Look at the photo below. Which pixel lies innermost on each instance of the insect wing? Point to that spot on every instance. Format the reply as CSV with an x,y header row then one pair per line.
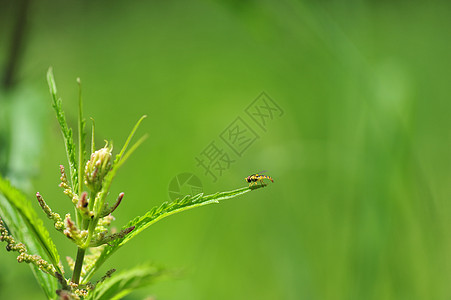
x,y
260,172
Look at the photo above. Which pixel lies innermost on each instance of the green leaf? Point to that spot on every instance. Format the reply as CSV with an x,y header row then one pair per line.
x,y
18,227
118,162
66,131
81,149
19,202
123,283
159,212
81,139
130,136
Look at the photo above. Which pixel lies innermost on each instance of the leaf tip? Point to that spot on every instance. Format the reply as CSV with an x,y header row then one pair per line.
x,y
51,81
50,71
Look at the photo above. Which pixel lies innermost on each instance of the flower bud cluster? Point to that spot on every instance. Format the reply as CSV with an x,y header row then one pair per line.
x,y
77,291
58,222
12,245
38,261
103,238
66,186
73,232
82,206
97,167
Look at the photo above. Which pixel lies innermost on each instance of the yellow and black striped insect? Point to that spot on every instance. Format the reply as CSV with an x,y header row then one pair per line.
x,y
255,178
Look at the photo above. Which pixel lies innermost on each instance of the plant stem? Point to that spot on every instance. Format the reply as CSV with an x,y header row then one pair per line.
x,y
17,46
78,265
91,228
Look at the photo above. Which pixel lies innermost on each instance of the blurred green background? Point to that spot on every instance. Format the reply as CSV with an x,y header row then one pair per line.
x,y
361,156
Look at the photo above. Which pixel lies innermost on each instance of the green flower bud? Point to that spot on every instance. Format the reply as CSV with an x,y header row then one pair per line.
x,y
97,167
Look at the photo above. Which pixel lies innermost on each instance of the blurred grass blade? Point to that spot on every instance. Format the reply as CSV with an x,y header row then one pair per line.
x,y
159,212
19,202
66,131
123,283
18,227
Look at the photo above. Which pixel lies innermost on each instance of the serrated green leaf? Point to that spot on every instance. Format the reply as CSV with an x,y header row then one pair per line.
x,y
19,229
157,213
123,283
65,130
20,203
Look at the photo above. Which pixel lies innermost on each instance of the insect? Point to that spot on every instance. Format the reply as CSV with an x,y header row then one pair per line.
x,y
255,178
